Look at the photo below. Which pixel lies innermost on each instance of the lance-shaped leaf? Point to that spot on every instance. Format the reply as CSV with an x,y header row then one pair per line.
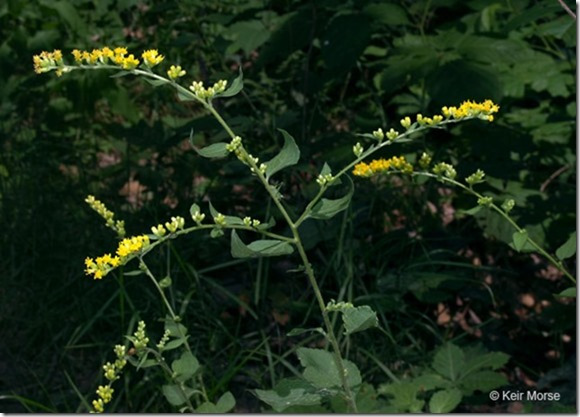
x,y
326,208
288,156
568,249
216,150
234,88
259,248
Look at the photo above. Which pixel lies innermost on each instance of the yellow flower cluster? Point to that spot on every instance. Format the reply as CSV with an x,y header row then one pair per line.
x,y
117,225
128,247
47,61
470,108
152,57
381,165
111,372
118,56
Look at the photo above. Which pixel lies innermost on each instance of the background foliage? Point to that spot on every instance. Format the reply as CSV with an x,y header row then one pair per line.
x,y
322,71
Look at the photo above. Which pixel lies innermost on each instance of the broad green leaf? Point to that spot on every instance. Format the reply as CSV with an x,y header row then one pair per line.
x,y
296,396
175,395
246,35
568,249
568,292
321,370
225,404
288,156
493,360
259,248
216,150
404,396
428,382
445,401
235,87
185,367
449,361
519,239
326,208
483,381
387,13
358,319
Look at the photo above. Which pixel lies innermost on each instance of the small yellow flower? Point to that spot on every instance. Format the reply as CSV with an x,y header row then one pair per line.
x,y
130,62
151,57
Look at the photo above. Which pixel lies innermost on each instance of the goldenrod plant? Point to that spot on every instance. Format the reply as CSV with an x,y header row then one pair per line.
x,y
327,375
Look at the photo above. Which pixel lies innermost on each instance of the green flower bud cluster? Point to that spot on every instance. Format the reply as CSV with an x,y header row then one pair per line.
x,y
248,221
220,220
111,373
117,225
235,144
357,149
475,178
425,160
406,122
508,205
444,169
140,339
324,179
207,93
484,201
175,224
164,339
198,217
392,134
334,306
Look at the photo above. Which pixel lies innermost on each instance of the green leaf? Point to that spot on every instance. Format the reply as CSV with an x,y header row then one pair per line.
x,y
226,403
175,329
288,156
404,396
321,370
174,344
429,381
216,232
519,239
568,249
445,401
184,97
296,396
326,208
185,367
387,13
154,82
259,248
449,361
493,360
298,331
472,210
358,319
120,74
134,273
483,381
230,220
174,394
216,150
235,87
568,292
